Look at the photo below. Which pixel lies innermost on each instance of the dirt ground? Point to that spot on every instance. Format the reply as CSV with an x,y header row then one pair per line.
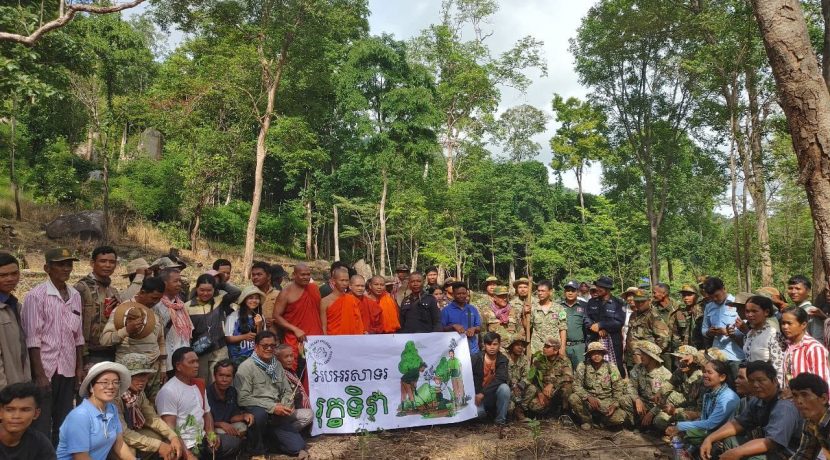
x,y
556,440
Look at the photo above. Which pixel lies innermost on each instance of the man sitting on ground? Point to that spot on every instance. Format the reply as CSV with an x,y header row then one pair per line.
x,y
144,431
810,398
550,381
490,378
301,400
598,390
228,417
778,419
264,391
19,407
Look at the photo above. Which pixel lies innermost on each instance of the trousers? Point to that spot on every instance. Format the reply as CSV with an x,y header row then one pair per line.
x,y
272,427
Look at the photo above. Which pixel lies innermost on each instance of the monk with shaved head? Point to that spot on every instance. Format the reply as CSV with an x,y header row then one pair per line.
x,y
297,310
369,308
340,311
390,322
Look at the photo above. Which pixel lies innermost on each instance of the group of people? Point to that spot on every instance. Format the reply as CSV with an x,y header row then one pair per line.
x,y
159,369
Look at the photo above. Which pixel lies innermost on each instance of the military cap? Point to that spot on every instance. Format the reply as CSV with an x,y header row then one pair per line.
x,y
521,280
402,268
596,346
135,265
629,291
448,281
714,354
59,255
136,363
516,338
688,288
741,298
573,284
489,280
553,342
641,295
165,262
501,290
650,349
768,292
685,350
604,282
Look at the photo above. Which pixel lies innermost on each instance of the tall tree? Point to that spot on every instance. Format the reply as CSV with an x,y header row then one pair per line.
x,y
467,76
579,140
806,103
641,82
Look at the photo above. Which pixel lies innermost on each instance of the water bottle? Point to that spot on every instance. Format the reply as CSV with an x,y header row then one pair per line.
x,y
678,449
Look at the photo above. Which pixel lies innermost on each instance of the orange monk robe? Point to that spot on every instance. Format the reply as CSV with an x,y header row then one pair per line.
x,y
390,321
343,316
370,311
304,314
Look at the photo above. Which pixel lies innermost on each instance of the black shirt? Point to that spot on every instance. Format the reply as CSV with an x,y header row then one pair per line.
x,y
420,313
223,409
34,445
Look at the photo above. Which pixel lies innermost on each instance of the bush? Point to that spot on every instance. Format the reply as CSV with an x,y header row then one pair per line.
x,y
278,232
152,189
59,177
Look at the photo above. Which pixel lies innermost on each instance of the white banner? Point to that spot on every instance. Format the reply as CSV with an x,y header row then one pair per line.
x,y
373,382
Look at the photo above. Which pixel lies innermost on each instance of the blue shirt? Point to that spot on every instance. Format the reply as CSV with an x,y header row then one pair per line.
x,y
723,315
718,407
466,316
87,429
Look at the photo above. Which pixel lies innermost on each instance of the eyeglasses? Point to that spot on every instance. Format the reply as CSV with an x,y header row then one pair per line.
x,y
268,346
114,383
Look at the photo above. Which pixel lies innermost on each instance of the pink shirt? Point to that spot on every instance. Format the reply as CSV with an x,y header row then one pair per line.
x,y
54,326
806,356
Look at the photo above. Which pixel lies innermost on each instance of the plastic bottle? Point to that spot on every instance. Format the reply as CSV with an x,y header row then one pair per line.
x,y
678,449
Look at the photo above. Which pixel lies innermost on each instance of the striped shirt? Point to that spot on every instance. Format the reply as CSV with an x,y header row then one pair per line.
x,y
52,324
806,356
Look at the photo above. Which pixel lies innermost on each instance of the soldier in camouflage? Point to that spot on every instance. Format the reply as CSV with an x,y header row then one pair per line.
x,y
644,324
517,367
524,298
684,321
648,386
664,306
550,381
500,317
485,300
684,402
598,390
547,319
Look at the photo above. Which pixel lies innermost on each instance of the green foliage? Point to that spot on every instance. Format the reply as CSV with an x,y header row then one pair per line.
x,y
277,232
410,359
150,189
58,179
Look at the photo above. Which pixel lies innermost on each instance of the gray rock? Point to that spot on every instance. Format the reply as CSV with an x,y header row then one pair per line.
x,y
151,143
97,176
86,225
363,269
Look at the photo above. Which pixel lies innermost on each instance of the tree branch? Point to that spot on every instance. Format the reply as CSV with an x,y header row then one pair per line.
x,y
64,19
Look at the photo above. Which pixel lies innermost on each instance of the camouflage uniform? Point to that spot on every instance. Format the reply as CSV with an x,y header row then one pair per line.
x,y
490,323
546,324
517,378
517,306
99,300
649,387
683,323
645,326
603,383
544,372
687,394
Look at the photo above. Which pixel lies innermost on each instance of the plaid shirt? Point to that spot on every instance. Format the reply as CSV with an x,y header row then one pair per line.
x,y
814,438
54,326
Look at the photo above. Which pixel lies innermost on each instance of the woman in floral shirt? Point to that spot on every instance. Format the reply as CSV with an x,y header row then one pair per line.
x,y
763,342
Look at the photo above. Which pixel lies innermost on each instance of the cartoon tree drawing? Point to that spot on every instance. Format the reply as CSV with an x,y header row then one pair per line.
x,y
410,367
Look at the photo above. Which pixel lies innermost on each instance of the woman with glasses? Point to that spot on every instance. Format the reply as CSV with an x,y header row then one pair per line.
x,y
92,429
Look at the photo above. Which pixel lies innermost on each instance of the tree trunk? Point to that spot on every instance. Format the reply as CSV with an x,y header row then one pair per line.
x,y
197,222
736,217
669,269
105,225
806,103
256,199
336,219
309,229
578,171
825,52
511,276
12,174
414,260
382,217
754,175
122,149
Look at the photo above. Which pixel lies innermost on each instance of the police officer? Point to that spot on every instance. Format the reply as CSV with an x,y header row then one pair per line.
x,y
604,320
575,311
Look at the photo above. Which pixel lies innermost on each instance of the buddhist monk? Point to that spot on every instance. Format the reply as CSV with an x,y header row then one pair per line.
x,y
390,322
297,309
340,310
369,308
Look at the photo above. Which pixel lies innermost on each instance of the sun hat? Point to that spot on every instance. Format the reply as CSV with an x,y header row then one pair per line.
x,y
106,366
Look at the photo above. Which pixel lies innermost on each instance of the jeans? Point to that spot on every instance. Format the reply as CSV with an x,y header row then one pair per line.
x,y
272,427
229,446
497,401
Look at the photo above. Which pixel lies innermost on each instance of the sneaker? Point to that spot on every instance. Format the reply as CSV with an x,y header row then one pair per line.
x,y
586,426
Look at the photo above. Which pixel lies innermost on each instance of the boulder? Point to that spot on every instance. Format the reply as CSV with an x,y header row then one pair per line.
x,y
151,143
86,225
363,269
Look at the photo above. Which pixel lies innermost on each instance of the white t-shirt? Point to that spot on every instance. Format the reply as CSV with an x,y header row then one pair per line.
x,y
184,401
